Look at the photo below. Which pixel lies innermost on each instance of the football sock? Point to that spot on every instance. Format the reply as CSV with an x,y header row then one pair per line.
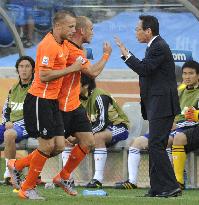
x,y
179,159
77,154
20,164
100,156
7,172
133,164
36,166
65,155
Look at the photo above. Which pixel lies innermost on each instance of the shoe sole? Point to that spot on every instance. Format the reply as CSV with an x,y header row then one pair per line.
x,y
127,187
173,195
23,196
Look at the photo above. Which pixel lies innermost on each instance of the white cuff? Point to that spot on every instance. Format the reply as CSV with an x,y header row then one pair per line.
x,y
128,56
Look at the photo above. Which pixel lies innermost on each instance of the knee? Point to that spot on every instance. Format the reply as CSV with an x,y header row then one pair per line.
x,y
47,148
180,139
10,135
89,143
59,149
140,143
98,140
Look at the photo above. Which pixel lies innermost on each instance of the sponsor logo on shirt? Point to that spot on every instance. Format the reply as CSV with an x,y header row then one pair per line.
x,y
15,106
45,60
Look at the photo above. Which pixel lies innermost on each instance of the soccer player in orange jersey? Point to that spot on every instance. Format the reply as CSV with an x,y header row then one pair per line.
x,y
76,122
42,117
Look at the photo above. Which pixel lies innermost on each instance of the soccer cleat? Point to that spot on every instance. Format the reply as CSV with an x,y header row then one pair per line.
x,y
94,183
72,182
15,175
7,178
66,185
30,194
7,181
125,185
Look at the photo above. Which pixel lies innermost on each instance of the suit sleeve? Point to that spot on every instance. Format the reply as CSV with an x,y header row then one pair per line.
x,y
102,104
149,64
6,110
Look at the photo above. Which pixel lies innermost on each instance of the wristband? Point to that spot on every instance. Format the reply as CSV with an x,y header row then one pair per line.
x,y
105,56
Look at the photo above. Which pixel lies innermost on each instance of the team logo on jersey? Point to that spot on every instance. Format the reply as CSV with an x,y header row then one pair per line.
x,y
45,60
82,59
44,131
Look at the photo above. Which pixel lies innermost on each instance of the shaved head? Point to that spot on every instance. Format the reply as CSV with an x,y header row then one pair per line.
x,y
61,15
82,21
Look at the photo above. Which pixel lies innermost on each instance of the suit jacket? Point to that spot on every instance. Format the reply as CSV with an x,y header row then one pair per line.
x,y
158,87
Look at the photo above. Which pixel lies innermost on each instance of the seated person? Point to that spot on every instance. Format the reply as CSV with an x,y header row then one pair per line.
x,y
188,140
188,96
12,129
22,13
109,124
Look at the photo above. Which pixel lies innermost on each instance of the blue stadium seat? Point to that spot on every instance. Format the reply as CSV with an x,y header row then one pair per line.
x,y
6,38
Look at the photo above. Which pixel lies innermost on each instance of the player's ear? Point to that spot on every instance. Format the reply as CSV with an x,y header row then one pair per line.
x,y
82,31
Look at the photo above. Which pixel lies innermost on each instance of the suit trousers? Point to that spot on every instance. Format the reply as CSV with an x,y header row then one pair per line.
x,y
161,173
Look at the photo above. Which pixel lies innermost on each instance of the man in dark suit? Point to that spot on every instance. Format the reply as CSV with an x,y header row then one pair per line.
x,y
159,101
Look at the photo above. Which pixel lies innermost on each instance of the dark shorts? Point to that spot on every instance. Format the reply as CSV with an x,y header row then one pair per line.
x,y
42,117
192,135
76,121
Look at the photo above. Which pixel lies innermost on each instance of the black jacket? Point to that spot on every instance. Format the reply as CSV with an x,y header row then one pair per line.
x,y
158,87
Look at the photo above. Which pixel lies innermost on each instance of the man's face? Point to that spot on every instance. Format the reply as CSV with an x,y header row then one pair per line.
x,y
88,32
143,36
25,70
190,77
67,28
84,90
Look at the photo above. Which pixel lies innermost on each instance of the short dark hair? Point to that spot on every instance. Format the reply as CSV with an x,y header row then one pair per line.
x,y
28,58
61,15
150,22
86,80
191,64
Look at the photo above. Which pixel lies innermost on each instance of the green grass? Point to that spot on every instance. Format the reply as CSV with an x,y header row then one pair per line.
x,y
116,197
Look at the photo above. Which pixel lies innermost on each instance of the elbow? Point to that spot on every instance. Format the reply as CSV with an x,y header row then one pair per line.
x,y
93,75
90,74
43,79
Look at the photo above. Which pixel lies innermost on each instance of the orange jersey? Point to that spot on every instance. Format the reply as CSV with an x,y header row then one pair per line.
x,y
50,55
70,90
